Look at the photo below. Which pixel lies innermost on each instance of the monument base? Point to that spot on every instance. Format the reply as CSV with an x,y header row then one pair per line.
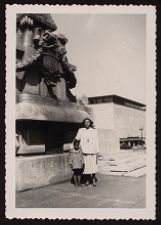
x,y
38,171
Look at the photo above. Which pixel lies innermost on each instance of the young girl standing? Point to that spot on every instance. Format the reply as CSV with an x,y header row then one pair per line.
x,y
76,162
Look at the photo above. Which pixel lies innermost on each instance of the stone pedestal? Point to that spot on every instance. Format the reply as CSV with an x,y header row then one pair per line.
x,y
47,115
38,171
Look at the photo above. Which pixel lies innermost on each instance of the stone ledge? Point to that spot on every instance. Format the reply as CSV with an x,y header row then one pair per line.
x,y
38,171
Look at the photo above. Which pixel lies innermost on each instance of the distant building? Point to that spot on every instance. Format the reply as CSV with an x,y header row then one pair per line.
x,y
117,119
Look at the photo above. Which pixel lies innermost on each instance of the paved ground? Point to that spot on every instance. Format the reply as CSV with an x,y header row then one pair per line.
x,y
110,192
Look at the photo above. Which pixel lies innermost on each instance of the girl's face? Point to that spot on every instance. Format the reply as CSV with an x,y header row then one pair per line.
x,y
76,146
87,123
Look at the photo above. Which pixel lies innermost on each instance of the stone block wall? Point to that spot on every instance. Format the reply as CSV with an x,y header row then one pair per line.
x,y
103,116
128,121
37,171
108,141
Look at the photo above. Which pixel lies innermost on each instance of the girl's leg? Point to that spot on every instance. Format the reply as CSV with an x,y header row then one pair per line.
x,y
79,180
82,179
75,180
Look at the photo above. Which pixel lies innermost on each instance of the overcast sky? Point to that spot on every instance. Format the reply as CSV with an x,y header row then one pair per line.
x,y
109,52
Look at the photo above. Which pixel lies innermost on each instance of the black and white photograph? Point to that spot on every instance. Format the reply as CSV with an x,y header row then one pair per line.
x,y
80,112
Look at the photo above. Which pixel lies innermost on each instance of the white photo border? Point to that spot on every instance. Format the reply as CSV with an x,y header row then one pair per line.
x,y
83,213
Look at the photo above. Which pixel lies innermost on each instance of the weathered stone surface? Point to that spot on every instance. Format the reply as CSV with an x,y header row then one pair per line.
x,y
29,149
123,163
32,107
44,19
47,114
37,171
108,141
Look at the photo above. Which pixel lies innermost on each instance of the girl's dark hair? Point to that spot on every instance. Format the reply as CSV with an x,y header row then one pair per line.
x,y
76,142
91,122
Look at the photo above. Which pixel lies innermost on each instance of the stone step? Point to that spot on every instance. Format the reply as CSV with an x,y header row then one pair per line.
x,y
123,167
136,173
122,163
130,158
127,160
116,156
129,167
109,173
123,155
